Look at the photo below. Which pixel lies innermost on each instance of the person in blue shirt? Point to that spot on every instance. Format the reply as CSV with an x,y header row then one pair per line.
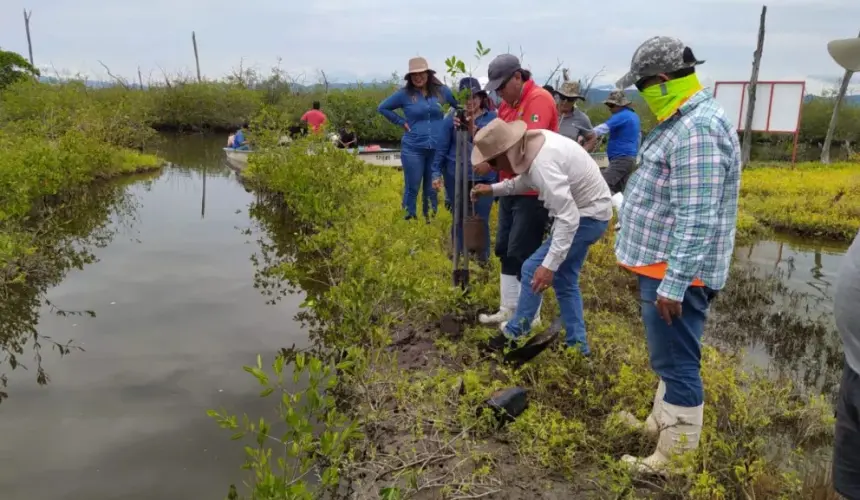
x,y
478,114
624,130
421,101
239,141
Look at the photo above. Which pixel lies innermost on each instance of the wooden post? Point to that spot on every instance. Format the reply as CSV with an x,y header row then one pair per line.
x,y
831,129
139,78
27,16
196,57
746,147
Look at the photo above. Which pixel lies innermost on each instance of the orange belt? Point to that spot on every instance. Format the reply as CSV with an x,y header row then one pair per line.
x,y
656,271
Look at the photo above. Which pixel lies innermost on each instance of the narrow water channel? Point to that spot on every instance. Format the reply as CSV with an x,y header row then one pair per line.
x,y
177,316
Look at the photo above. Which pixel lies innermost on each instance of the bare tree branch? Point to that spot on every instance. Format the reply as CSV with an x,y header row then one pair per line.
x,y
118,79
551,75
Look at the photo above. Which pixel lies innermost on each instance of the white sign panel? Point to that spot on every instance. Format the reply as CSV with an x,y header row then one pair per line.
x,y
777,104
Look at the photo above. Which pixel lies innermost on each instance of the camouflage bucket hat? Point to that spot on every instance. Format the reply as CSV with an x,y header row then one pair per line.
x,y
659,54
570,90
618,98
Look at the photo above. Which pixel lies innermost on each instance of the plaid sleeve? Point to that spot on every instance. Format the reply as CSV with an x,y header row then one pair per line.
x,y
696,182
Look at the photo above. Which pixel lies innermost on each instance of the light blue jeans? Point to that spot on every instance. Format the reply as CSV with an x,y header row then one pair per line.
x,y
565,282
418,174
676,350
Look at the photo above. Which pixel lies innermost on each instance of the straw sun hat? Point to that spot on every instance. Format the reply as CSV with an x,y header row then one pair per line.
x,y
418,65
498,138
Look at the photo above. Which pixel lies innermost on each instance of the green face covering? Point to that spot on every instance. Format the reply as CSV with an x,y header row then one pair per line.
x,y
666,98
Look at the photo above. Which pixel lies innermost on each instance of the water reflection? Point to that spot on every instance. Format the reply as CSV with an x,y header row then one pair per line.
x,y
63,236
177,316
777,307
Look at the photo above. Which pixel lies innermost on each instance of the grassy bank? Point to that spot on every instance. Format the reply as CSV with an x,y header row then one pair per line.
x,y
810,199
402,345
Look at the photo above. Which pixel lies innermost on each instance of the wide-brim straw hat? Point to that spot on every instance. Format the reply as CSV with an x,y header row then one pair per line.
x,y
418,65
513,139
570,90
846,53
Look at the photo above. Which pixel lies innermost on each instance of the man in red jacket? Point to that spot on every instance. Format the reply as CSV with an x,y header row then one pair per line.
x,y
523,218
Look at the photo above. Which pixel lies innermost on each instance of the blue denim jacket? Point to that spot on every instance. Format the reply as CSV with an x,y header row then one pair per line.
x,y
423,114
446,154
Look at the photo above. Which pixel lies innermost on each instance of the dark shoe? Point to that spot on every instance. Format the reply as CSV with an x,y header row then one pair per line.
x,y
500,342
410,217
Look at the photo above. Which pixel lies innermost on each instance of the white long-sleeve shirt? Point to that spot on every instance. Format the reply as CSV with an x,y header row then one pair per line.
x,y
569,184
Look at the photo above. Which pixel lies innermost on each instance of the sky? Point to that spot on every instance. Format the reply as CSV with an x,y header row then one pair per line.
x,y
363,40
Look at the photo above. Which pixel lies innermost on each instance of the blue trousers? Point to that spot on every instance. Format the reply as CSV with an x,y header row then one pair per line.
x,y
481,208
676,350
565,282
418,175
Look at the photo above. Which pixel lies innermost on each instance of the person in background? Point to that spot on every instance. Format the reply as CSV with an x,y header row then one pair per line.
x,y
478,115
522,217
346,136
573,123
846,448
624,129
239,141
314,117
677,235
574,192
421,102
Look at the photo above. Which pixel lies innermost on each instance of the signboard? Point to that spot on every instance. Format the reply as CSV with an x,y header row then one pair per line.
x,y
777,104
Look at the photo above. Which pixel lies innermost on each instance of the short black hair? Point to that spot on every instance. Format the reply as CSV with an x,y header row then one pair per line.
x,y
245,124
316,105
525,74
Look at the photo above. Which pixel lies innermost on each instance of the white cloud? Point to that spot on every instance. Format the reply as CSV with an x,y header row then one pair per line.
x,y
371,38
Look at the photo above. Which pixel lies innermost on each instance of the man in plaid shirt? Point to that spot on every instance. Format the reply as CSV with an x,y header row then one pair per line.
x,y
677,234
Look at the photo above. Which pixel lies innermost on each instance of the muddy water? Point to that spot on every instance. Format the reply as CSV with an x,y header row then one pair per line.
x,y
177,316
785,324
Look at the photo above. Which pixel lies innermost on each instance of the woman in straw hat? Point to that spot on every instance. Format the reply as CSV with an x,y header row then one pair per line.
x,y
846,304
569,184
420,101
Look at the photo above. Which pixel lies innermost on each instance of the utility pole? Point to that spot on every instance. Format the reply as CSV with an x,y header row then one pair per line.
x,y
831,129
196,57
746,147
27,16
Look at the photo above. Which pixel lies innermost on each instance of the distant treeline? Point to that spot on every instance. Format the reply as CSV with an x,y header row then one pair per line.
x,y
223,106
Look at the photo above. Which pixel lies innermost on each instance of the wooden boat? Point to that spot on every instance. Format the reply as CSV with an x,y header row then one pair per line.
x,y
383,157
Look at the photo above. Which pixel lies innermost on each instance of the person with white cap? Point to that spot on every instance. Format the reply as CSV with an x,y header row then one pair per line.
x,y
846,309
677,235
522,218
421,102
568,182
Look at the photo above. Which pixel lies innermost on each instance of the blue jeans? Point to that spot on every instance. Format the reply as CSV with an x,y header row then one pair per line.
x,y
676,350
418,174
520,231
846,447
448,178
565,282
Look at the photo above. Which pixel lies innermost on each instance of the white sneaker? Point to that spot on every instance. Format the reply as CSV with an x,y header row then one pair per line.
x,y
651,426
535,322
509,294
680,431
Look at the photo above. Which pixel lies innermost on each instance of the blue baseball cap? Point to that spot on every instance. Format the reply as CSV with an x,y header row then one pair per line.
x,y
472,84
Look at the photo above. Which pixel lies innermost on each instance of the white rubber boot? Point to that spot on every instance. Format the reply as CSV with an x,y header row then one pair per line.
x,y
681,429
617,201
509,293
651,426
